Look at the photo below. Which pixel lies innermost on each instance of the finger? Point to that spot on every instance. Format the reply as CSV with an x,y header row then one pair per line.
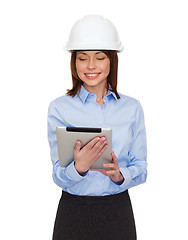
x,y
107,172
100,144
111,172
114,158
102,150
109,165
92,143
77,147
100,170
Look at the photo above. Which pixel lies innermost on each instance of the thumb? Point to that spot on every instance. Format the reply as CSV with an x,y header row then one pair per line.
x,y
115,160
77,147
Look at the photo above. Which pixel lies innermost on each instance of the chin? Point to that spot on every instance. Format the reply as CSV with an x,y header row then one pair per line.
x,y
92,83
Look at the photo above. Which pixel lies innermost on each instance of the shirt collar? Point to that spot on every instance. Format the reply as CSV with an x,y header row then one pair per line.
x,y
84,94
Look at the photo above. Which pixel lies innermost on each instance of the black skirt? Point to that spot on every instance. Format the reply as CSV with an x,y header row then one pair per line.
x,y
94,218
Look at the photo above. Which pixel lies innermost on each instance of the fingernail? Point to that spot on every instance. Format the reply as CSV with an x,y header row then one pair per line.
x,y
98,138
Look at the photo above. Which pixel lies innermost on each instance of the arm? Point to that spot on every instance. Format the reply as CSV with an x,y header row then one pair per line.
x,y
136,172
63,176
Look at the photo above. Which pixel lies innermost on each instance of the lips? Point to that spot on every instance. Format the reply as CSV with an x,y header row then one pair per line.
x,y
92,75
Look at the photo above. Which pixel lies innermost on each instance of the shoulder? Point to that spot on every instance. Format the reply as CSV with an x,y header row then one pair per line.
x,y
128,100
60,101
131,105
63,105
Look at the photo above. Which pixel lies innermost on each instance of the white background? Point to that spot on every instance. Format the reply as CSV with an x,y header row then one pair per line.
x,y
34,69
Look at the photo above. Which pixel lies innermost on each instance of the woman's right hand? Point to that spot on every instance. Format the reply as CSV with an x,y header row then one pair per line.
x,y
89,154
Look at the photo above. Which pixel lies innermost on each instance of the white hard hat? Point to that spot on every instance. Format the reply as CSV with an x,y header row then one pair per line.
x,y
93,32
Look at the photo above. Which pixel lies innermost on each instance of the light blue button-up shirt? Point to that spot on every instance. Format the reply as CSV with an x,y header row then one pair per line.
x,y
126,119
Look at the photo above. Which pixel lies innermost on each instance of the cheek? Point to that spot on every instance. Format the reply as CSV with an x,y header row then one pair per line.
x,y
79,67
106,68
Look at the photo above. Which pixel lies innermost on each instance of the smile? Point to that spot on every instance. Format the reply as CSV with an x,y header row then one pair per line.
x,y
92,75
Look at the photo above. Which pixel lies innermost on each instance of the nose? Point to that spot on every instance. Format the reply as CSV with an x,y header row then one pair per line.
x,y
91,64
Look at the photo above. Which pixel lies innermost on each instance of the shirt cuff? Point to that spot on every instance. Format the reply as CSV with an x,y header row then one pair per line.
x,y
72,173
127,176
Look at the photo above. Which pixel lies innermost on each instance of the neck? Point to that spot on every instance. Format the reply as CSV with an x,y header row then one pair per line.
x,y
99,91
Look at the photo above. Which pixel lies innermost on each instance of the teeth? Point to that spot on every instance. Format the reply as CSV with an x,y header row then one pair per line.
x,y
91,75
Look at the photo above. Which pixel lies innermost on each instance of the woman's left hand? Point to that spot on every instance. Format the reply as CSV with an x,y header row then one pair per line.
x,y
114,171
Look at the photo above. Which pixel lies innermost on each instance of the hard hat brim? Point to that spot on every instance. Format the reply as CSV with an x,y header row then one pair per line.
x,y
84,46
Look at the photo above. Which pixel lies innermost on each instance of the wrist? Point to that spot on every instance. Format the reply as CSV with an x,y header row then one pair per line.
x,y
121,178
80,170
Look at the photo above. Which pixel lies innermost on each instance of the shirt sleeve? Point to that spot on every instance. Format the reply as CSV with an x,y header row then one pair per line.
x,y
136,172
64,177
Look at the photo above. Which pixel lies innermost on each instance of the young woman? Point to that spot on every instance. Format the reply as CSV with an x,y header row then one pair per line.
x,y
95,203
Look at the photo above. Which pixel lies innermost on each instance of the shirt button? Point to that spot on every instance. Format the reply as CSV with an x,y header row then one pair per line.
x,y
99,182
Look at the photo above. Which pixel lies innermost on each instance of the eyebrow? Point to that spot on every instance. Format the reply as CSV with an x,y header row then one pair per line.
x,y
86,53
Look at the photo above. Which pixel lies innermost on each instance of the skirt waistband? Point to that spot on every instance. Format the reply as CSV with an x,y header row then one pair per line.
x,y
68,196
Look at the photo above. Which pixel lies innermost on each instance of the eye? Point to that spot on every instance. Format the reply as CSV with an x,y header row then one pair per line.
x,y
102,58
82,59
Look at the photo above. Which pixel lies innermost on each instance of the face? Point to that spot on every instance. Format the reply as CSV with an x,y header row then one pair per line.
x,y
92,67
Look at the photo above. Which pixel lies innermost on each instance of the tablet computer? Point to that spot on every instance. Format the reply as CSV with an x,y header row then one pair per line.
x,y
68,136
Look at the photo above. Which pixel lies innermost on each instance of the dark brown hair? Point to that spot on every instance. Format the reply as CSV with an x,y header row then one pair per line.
x,y
111,79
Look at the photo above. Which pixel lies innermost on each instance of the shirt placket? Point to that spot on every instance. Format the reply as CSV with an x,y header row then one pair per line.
x,y
101,114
